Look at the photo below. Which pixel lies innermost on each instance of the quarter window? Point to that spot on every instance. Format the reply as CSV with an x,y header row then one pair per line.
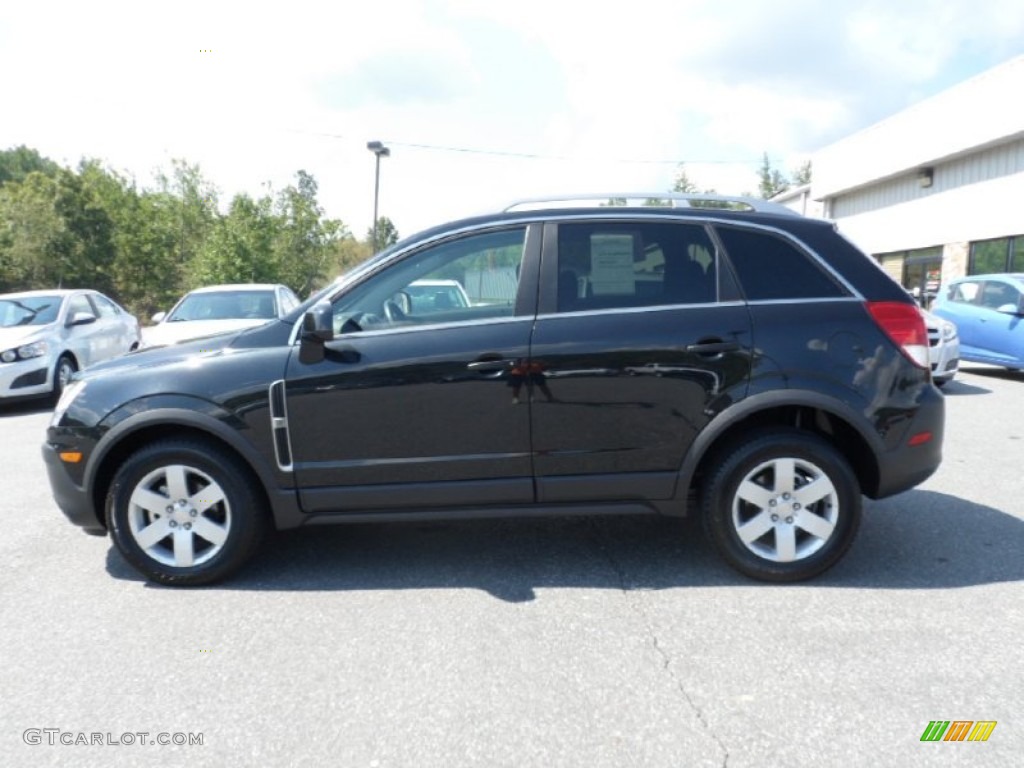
x,y
603,265
771,268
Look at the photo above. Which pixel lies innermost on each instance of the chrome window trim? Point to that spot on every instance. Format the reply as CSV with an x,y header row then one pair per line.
x,y
432,327
704,306
641,309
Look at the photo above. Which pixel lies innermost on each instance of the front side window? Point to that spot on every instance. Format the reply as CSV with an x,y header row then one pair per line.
x,y
772,268
996,294
603,265
467,279
79,304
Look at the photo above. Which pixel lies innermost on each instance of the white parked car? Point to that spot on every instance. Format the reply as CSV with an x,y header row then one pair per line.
x,y
45,336
943,348
436,296
219,309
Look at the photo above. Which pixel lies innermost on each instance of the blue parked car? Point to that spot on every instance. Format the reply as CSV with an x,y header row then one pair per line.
x,y
989,313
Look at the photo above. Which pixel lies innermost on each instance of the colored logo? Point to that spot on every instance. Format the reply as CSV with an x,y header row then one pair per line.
x,y
958,730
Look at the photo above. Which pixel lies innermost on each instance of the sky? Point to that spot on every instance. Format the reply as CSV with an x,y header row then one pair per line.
x,y
481,103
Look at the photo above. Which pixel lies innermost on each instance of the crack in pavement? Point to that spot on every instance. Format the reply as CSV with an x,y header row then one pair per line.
x,y
635,604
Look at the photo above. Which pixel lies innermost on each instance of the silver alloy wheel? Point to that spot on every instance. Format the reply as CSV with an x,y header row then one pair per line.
x,y
179,516
65,370
785,509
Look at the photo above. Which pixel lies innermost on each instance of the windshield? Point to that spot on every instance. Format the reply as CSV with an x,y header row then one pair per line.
x,y
225,305
427,296
28,310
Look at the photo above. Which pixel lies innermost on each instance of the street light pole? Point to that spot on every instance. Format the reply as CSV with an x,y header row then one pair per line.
x,y
380,151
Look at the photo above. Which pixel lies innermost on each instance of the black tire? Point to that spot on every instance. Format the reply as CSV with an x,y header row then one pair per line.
x,y
779,548
62,373
164,474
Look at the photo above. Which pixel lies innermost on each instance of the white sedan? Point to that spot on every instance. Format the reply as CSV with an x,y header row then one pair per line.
x,y
943,348
219,309
45,336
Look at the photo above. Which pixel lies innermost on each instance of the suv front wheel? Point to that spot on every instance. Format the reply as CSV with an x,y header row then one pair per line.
x,y
783,506
184,513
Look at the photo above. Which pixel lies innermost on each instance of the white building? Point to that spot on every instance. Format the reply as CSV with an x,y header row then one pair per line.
x,y
935,191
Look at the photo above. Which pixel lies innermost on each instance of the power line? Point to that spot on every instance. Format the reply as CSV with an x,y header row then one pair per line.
x,y
533,155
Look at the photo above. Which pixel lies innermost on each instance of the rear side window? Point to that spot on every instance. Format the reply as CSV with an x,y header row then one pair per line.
x,y
106,308
612,265
771,268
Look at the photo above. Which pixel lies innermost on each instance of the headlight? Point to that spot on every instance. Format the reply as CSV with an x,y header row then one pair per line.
x,y
24,352
948,331
71,391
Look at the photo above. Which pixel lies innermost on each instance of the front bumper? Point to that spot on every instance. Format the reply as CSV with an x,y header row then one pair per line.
x,y
72,499
26,378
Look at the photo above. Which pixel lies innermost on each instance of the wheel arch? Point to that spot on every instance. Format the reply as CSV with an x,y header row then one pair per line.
x,y
144,428
821,415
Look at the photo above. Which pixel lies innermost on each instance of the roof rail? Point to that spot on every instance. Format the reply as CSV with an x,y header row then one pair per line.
x,y
653,200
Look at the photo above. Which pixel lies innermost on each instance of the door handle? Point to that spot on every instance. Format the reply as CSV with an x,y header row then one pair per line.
x,y
490,363
712,347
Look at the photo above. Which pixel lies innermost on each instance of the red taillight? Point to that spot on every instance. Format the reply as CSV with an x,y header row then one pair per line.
x,y
904,325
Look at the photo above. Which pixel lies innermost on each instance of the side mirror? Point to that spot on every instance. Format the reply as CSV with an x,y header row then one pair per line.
x,y
317,328
81,318
158,317
1009,309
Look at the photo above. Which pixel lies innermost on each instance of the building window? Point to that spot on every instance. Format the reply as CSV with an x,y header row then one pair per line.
x,y
1017,254
1004,254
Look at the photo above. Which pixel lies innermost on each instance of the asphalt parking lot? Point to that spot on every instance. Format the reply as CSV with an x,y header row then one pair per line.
x,y
568,642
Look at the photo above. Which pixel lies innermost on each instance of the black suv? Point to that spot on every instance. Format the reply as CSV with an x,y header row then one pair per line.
x,y
724,357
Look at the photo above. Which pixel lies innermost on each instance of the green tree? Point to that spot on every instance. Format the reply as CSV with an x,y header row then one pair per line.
x,y
85,248
305,243
387,234
29,230
240,246
55,232
802,175
771,181
188,208
19,162
683,183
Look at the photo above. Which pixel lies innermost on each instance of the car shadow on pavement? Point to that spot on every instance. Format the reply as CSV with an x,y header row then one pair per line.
x,y
960,387
994,372
24,407
918,540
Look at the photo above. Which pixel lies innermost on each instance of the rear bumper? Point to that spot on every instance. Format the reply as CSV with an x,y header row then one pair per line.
x,y
907,465
72,499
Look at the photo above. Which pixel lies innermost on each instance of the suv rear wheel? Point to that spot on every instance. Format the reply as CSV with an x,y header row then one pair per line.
x,y
183,512
783,506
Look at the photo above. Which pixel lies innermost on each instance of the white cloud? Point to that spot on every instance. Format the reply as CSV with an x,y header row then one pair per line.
x,y
592,89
